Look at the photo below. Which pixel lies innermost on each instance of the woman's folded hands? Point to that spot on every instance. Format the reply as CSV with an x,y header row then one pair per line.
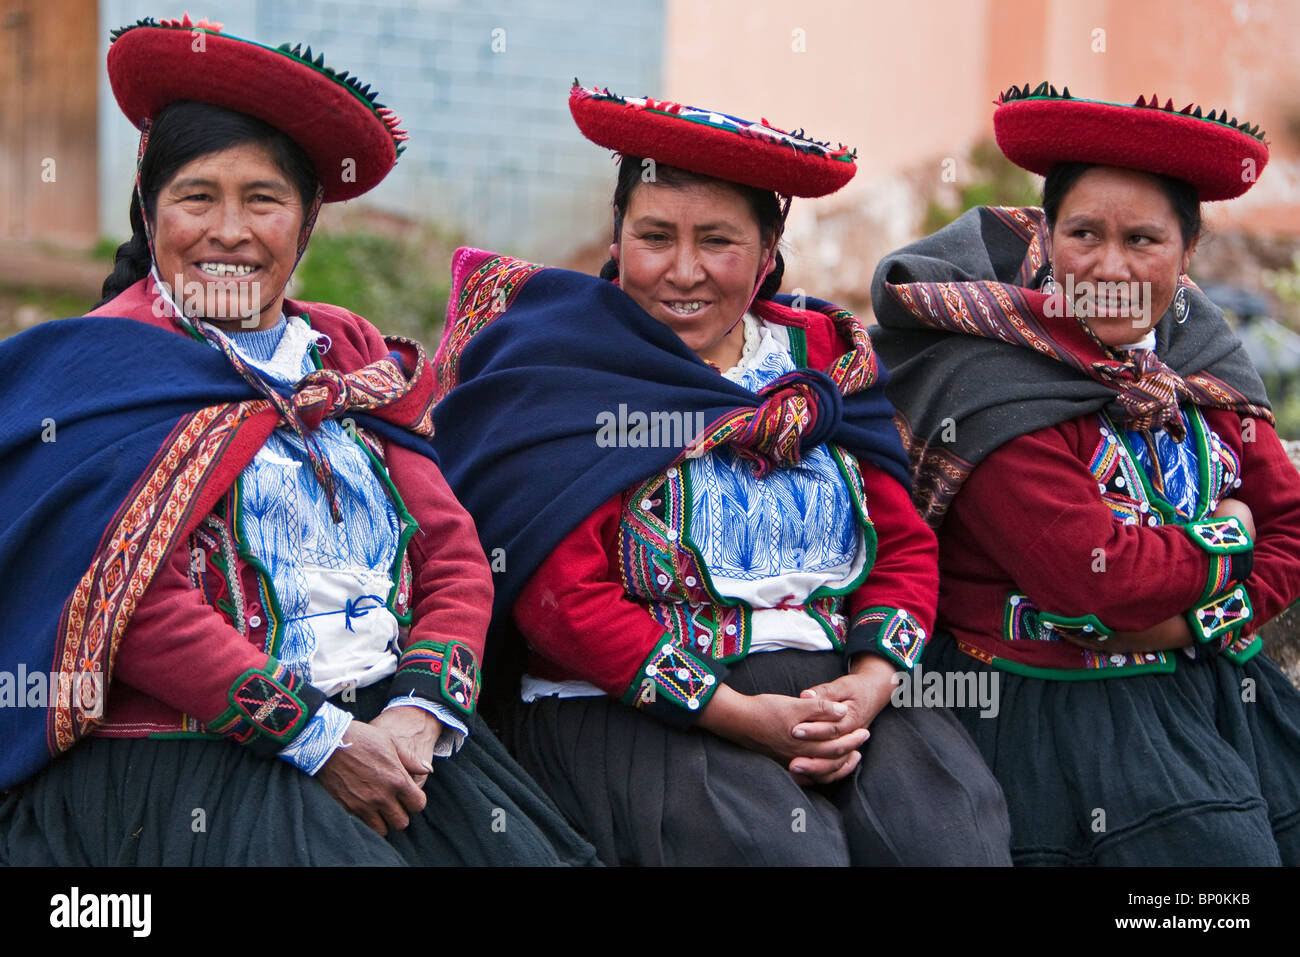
x,y
816,735
378,772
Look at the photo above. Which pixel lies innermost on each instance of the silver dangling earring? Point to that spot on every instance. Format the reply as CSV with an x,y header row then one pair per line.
x,y
1049,286
1182,305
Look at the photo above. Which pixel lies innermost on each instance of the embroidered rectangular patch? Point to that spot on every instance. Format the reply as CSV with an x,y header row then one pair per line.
x,y
270,707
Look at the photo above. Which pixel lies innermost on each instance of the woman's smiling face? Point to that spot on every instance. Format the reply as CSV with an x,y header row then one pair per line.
x,y
691,255
227,226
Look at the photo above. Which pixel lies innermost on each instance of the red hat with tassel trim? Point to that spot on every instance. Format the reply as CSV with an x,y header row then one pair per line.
x,y
352,140
711,143
1221,157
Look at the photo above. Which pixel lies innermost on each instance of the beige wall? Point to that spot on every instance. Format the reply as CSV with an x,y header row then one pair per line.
x,y
910,83
870,72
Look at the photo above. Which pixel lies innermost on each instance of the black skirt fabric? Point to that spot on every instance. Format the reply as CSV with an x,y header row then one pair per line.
x,y
1197,767
142,801
646,793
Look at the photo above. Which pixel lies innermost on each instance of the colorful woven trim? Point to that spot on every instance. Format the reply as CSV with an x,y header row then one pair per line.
x,y
937,473
137,541
1084,626
213,570
1119,480
487,288
1241,648
668,576
1020,620
1128,491
1024,622
268,708
711,143
1219,577
1232,556
891,632
1039,129
673,685
1220,536
446,671
661,567
1223,614
1224,465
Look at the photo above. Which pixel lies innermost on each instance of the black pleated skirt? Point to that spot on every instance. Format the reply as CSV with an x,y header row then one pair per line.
x,y
129,801
646,793
1197,767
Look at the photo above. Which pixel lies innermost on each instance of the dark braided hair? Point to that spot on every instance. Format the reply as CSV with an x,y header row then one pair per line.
x,y
762,203
183,132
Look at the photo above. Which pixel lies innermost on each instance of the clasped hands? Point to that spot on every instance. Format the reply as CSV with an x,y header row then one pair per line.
x,y
816,736
378,772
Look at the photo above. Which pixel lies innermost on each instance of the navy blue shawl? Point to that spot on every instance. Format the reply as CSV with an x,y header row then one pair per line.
x,y
519,434
90,404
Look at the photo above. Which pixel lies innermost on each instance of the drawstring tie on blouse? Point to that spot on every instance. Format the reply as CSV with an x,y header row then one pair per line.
x,y
352,608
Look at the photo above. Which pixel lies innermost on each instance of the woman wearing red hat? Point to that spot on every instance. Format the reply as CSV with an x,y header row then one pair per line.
x,y
1116,515
696,505
254,605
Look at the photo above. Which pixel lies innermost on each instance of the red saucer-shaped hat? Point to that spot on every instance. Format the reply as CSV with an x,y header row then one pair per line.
x,y
1221,157
712,144
352,140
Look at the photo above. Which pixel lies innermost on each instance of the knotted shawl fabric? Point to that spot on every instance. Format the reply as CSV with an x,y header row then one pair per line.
x,y
534,360
976,362
120,436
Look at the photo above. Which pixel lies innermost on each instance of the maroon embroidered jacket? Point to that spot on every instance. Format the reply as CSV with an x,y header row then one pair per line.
x,y
188,646
580,621
1057,530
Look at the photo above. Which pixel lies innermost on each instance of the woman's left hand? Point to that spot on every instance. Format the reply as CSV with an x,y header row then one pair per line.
x,y
864,691
415,732
1170,635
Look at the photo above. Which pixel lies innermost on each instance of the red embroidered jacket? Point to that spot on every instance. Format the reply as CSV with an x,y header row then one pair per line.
x,y
581,623
1060,530
189,648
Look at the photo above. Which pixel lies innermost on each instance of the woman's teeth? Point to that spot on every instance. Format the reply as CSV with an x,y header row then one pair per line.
x,y
686,308
226,269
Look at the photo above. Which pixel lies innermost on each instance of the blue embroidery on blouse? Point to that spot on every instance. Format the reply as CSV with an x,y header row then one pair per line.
x,y
287,524
286,518
796,519
316,742
1179,466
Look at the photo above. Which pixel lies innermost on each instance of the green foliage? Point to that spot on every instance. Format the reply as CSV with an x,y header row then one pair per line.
x,y
399,284
1286,406
990,180
1285,284
105,249
53,302
38,305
